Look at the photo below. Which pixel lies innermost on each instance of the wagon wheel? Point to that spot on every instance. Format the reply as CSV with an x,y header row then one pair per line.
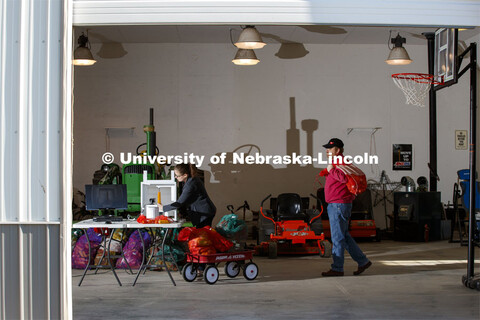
x,y
232,269
327,249
250,271
189,273
210,275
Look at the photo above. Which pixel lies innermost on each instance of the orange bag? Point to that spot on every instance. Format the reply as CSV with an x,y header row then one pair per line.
x,y
357,181
207,250
201,245
199,242
163,219
203,250
158,220
218,242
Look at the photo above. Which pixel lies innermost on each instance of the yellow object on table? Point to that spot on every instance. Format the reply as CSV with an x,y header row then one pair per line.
x,y
159,197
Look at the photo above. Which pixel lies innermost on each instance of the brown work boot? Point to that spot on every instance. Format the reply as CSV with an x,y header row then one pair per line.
x,y
332,273
361,269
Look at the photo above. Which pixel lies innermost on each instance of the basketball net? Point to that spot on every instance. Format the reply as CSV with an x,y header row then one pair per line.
x,y
415,86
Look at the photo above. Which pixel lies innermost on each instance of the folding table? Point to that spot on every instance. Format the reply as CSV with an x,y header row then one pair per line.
x,y
126,224
167,238
114,225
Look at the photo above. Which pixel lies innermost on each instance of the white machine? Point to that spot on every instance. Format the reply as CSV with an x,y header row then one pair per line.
x,y
149,193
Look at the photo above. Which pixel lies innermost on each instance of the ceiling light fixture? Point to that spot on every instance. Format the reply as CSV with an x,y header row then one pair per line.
x,y
82,56
250,39
398,55
245,57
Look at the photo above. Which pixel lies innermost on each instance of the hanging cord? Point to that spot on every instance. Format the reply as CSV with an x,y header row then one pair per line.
x,y
231,37
389,40
373,151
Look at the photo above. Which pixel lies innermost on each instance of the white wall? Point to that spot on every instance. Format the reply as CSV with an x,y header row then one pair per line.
x,y
205,105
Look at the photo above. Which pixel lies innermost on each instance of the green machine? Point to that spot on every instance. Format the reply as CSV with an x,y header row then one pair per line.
x,y
108,174
133,172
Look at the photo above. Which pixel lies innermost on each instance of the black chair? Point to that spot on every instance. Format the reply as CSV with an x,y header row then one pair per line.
x,y
289,206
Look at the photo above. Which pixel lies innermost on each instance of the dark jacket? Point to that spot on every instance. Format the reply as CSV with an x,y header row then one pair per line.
x,y
194,198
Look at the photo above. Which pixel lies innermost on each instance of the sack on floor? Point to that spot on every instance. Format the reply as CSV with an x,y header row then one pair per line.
x,y
231,227
76,234
120,235
133,251
80,252
115,250
176,251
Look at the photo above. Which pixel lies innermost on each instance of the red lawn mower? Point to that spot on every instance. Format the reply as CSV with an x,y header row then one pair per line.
x,y
361,224
292,228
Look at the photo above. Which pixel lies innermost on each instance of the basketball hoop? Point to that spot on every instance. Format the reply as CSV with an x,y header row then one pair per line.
x,y
415,86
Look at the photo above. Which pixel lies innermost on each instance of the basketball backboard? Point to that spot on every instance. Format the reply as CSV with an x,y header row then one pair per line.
x,y
446,52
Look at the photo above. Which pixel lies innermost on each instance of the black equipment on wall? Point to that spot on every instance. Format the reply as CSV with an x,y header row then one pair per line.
x,y
422,184
417,216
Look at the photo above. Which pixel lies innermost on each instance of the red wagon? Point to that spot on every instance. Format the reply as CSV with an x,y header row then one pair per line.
x,y
235,261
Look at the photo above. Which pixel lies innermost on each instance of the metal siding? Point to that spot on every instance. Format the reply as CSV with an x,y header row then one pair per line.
x,y
38,110
23,109
9,255
38,254
44,249
25,267
54,272
33,283
10,105
54,112
2,274
3,16
38,265
31,111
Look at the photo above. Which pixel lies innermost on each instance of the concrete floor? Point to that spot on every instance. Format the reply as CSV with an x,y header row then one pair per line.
x,y
406,281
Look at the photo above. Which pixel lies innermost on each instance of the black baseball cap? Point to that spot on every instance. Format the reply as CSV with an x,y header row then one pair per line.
x,y
334,142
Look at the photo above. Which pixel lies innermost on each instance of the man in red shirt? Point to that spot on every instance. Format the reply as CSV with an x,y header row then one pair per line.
x,y
339,209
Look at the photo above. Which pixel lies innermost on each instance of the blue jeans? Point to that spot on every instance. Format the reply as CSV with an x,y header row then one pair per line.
x,y
339,215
